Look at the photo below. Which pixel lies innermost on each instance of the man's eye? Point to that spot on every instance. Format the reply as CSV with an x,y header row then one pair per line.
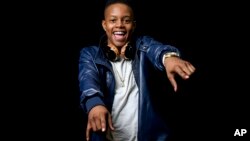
x,y
127,21
112,21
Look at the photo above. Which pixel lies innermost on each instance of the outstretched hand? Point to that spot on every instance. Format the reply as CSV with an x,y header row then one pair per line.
x,y
97,120
175,65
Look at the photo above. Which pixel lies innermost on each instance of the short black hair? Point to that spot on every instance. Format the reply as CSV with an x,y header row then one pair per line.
x,y
129,3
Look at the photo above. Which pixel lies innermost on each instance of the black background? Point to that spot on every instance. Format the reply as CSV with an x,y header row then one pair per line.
x,y
44,41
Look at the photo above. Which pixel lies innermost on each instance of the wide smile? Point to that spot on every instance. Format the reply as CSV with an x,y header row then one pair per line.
x,y
119,35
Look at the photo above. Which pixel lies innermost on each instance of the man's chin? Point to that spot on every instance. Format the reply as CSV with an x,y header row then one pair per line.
x,y
120,44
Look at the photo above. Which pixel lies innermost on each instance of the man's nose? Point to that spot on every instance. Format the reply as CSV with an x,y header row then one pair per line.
x,y
120,23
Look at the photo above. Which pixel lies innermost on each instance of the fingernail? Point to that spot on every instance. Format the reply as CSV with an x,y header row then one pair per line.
x,y
103,129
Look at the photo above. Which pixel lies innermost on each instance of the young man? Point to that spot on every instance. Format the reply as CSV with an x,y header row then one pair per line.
x,y
114,80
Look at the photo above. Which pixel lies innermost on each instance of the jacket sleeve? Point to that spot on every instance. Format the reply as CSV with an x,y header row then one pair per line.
x,y
89,82
155,50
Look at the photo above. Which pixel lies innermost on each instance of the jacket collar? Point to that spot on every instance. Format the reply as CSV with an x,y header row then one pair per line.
x,y
101,59
100,56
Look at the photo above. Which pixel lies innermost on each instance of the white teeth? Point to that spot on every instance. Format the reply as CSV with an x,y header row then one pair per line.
x,y
119,33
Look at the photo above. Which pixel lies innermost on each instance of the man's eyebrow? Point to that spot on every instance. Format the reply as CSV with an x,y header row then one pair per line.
x,y
127,17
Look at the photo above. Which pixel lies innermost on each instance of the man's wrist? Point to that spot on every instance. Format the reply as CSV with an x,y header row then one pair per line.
x,y
169,54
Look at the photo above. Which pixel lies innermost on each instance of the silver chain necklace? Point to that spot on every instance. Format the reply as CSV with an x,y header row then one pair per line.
x,y
121,77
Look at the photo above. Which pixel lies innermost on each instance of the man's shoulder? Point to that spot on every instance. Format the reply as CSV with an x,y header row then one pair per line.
x,y
144,38
91,48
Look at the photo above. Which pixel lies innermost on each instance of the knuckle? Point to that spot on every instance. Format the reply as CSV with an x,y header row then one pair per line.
x,y
95,116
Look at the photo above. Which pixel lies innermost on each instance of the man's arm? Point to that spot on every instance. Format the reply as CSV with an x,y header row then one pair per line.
x,y
155,51
167,57
89,81
91,95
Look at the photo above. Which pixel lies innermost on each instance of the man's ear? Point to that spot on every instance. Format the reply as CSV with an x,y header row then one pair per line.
x,y
104,25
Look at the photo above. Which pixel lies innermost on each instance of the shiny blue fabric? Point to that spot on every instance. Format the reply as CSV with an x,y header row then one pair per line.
x,y
97,84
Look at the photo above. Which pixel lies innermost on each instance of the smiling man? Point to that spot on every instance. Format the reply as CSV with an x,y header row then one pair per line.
x,y
119,24
115,84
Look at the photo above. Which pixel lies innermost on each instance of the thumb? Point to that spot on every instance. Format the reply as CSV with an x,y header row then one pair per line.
x,y
110,122
172,81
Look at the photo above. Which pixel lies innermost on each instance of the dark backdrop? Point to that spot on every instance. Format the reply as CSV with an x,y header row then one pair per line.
x,y
44,66
212,104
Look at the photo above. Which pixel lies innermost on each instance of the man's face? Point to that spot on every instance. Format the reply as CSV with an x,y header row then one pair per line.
x,y
118,24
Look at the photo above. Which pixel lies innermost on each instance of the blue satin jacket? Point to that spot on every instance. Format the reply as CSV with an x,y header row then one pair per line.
x,y
96,82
